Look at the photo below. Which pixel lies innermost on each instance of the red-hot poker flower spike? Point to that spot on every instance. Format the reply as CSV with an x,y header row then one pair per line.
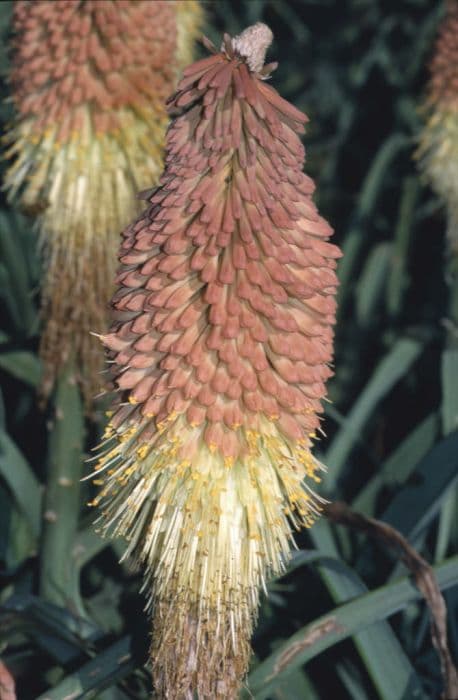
x,y
221,344
89,84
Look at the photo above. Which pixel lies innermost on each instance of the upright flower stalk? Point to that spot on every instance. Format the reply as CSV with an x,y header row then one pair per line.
x,y
220,349
89,82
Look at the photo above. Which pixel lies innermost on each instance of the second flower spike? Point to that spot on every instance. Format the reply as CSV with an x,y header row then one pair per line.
x,y
89,83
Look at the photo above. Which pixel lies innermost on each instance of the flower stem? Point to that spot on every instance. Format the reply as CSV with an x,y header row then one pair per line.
x,y
62,497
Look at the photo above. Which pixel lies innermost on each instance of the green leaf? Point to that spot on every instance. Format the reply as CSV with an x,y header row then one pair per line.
x,y
7,294
23,365
2,411
420,499
388,372
448,517
399,465
296,687
341,623
57,631
19,284
385,661
22,482
301,558
449,372
354,685
371,189
21,544
372,282
87,545
109,667
398,279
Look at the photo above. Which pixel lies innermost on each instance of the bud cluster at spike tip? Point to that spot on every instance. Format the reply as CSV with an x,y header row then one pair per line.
x,y
89,82
220,348
438,149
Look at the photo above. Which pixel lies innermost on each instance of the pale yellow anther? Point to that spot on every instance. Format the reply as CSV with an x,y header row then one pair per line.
x,y
142,451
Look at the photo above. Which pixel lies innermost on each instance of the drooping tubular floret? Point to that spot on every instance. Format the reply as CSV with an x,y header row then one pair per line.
x,y
220,347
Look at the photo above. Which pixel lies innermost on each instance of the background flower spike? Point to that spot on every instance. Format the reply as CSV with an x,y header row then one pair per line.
x,y
438,149
220,346
89,84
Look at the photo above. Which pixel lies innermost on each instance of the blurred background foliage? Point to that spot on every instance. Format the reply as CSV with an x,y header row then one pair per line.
x,y
358,69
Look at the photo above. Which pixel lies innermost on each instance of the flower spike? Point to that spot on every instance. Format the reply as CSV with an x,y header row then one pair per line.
x,y
220,346
89,84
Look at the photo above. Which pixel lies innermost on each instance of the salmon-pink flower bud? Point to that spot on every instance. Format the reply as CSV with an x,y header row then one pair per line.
x,y
89,84
438,150
220,347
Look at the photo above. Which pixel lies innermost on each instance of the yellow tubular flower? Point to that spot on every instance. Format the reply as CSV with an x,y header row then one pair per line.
x,y
438,150
220,348
89,84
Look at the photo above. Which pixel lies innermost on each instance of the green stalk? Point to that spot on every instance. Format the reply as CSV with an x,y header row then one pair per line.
x,y
62,497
